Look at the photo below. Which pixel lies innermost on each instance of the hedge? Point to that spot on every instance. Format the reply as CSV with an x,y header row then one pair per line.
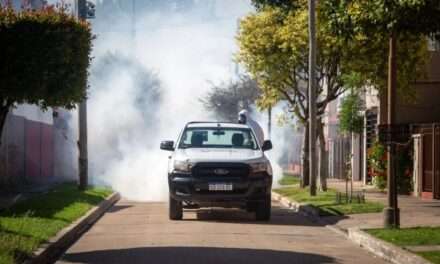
x,y
44,58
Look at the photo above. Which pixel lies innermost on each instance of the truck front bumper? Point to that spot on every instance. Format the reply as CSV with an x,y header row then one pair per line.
x,y
184,187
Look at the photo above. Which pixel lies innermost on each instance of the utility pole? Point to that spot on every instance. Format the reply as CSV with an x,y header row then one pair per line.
x,y
391,213
312,98
84,10
269,122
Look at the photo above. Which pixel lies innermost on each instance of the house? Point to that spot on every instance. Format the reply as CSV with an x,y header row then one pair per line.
x,y
426,133
421,117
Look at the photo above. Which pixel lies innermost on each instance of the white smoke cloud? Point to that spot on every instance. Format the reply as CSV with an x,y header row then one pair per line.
x,y
185,49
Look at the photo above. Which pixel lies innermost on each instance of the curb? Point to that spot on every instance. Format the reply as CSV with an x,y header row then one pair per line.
x,y
383,249
304,209
308,211
51,250
380,248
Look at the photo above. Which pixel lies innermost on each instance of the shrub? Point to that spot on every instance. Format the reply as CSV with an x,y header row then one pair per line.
x,y
45,55
377,159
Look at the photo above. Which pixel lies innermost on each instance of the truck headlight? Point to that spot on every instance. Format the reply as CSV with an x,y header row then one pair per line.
x,y
182,165
258,167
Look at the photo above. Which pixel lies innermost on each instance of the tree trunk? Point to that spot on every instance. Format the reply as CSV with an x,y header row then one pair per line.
x,y
323,158
4,110
305,177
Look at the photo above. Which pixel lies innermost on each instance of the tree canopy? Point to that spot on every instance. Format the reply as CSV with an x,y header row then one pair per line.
x,y
45,55
227,99
284,4
350,17
274,49
350,118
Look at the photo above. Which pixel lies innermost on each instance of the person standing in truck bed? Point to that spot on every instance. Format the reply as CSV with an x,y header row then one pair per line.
x,y
244,118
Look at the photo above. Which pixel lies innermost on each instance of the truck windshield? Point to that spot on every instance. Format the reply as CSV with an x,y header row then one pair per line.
x,y
218,137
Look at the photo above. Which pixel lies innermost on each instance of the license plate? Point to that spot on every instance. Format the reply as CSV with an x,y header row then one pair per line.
x,y
218,187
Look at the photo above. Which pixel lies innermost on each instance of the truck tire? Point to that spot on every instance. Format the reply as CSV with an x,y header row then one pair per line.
x,y
175,209
262,212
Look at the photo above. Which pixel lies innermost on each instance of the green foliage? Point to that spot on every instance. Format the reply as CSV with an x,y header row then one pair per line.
x,y
410,20
433,256
45,55
377,161
350,118
31,222
274,49
380,182
227,99
351,17
325,202
415,236
404,167
289,180
284,4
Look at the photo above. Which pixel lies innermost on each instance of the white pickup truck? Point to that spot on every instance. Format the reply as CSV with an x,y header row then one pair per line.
x,y
218,164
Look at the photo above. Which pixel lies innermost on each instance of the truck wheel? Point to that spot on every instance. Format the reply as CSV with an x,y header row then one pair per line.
x,y
262,212
175,209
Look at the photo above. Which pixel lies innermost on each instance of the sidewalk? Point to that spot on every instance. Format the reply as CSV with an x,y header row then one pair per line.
x,y
414,211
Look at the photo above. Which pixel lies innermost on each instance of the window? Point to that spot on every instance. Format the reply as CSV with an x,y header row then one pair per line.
x,y
218,137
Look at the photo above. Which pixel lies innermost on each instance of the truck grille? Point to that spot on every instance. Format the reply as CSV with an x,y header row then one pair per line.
x,y
210,169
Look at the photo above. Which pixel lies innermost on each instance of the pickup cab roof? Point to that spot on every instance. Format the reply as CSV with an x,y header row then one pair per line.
x,y
215,124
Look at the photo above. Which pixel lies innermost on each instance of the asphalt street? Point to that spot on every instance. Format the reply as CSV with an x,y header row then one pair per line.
x,y
133,232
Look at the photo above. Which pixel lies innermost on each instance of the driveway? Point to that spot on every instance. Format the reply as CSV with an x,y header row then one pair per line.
x,y
133,232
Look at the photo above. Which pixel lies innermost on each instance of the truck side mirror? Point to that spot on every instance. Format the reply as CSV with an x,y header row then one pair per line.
x,y
167,145
267,145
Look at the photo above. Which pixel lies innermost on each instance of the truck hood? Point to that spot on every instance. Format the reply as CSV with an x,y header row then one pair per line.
x,y
219,155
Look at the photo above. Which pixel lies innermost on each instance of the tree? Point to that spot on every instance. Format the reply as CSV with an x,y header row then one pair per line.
x,y
283,4
227,99
45,56
392,19
273,48
350,118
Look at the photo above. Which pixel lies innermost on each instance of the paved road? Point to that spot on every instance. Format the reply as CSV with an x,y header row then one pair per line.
x,y
141,233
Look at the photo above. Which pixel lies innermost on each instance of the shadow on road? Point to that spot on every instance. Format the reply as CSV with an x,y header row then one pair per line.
x,y
280,216
117,208
191,255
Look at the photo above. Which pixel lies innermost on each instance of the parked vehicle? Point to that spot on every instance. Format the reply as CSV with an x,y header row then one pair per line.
x,y
218,165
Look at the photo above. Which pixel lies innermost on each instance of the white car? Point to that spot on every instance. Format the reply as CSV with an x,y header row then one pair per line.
x,y
218,164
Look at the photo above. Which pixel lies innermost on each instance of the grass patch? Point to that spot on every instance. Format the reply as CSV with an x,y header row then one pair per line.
x,y
326,202
29,223
433,256
289,180
416,236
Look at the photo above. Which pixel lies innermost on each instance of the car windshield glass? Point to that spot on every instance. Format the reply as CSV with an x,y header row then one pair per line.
x,y
218,137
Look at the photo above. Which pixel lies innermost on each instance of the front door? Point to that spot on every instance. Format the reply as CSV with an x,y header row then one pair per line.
x,y
436,164
427,163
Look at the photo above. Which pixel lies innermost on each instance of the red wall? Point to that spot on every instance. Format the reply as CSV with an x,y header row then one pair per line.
x,y
39,151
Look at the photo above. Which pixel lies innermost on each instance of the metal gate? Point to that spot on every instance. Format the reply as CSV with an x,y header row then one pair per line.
x,y
430,160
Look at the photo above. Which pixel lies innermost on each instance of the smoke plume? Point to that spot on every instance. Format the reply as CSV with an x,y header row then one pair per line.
x,y
152,61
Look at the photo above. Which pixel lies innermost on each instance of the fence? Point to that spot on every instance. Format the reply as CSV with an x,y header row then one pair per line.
x,y
26,152
339,155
